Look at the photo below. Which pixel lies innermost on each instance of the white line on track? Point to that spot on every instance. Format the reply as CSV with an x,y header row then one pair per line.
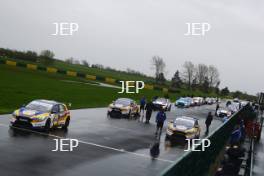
x,y
92,144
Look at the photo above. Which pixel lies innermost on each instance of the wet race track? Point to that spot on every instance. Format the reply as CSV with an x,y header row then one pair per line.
x,y
106,146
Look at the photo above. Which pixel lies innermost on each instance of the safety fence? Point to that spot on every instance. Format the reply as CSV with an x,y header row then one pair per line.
x,y
197,163
79,74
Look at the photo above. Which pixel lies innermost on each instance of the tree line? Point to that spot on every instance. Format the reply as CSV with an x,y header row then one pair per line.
x,y
46,57
193,76
201,76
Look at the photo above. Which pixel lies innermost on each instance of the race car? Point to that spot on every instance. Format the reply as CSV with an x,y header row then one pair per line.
x,y
198,101
162,103
183,102
42,114
209,101
183,128
123,107
223,113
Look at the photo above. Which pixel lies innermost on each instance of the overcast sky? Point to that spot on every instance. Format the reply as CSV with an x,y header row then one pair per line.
x,y
127,33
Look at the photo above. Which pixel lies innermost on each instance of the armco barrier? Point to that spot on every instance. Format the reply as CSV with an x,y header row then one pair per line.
x,y
32,66
197,163
78,74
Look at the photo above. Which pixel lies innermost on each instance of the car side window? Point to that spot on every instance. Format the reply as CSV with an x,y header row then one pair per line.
x,y
196,123
62,108
55,109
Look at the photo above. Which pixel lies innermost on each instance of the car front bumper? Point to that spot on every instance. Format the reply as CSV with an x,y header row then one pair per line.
x,y
176,135
117,113
27,124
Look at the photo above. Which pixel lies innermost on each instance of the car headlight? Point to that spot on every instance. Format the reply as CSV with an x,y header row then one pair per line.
x,y
189,135
124,110
169,131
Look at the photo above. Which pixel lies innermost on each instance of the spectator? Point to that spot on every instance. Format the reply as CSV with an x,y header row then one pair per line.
x,y
154,150
160,119
142,107
235,136
208,122
149,108
216,109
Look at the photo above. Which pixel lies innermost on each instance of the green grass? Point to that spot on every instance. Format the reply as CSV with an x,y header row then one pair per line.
x,y
94,71
19,86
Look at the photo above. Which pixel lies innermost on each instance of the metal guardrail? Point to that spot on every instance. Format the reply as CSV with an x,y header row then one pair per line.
x,y
197,163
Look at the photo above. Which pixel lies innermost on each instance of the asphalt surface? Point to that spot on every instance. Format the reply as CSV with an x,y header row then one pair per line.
x,y
106,146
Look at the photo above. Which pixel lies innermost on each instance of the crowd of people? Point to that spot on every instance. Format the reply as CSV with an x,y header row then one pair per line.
x,y
149,107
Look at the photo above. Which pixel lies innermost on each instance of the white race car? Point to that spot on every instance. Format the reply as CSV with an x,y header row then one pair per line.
x,y
162,103
223,113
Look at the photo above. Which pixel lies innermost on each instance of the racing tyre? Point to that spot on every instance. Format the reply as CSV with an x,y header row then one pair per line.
x,y
47,126
198,136
67,123
129,115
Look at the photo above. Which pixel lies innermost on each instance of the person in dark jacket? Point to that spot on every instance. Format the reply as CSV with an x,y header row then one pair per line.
x,y
154,150
235,136
160,119
142,107
148,108
216,109
208,122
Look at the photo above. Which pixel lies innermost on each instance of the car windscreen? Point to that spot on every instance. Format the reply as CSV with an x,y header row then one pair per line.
x,y
163,100
184,122
39,106
125,102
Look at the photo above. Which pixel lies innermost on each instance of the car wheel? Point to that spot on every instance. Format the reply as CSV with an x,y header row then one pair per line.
x,y
67,123
129,115
167,138
47,125
198,136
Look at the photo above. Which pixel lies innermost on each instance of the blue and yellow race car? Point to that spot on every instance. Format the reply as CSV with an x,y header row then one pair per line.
x,y
42,114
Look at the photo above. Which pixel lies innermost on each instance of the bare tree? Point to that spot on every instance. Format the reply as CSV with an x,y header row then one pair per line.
x,y
69,60
159,65
85,63
188,72
46,57
213,76
77,62
47,53
201,73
